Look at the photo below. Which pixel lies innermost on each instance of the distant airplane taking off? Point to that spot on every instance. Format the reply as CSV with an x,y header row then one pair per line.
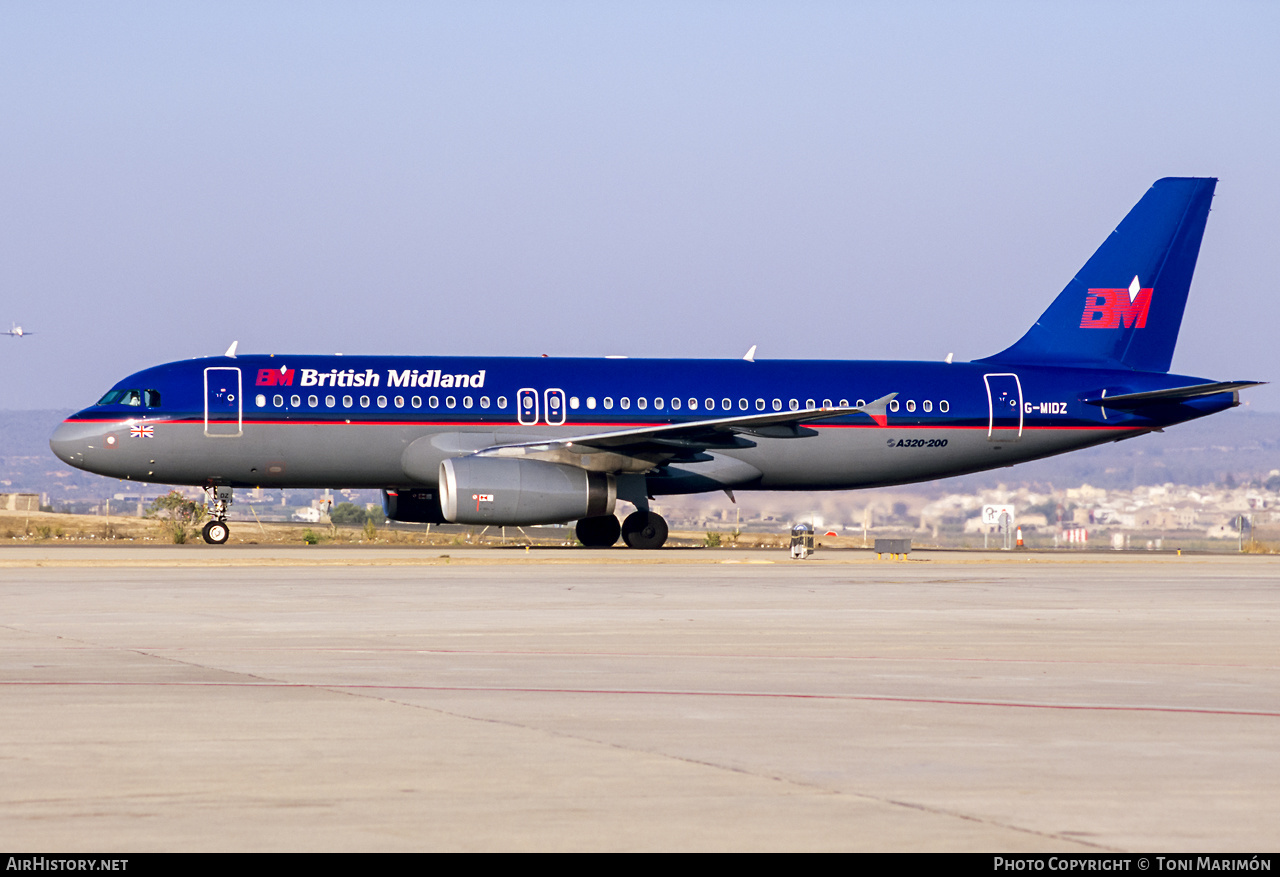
x,y
507,441
17,331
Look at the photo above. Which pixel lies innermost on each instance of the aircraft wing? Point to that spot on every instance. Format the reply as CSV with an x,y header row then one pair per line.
x,y
644,447
1130,401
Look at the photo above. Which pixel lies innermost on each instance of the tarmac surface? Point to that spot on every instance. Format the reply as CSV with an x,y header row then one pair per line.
x,y
193,698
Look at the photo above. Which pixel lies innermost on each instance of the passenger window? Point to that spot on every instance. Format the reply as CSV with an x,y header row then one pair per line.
x,y
466,401
743,404
364,401
624,403
943,406
450,402
434,401
608,402
330,402
711,404
927,406
382,401
295,401
416,401
658,404
860,403
641,403
777,404
793,405
911,404
893,405
313,401
399,401
693,404
826,403
759,404
277,401
844,403
484,402
502,401
347,401
591,402
675,404
726,404
573,403
809,404
261,401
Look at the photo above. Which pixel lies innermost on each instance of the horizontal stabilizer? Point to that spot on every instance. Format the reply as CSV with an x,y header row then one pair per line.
x,y
1130,401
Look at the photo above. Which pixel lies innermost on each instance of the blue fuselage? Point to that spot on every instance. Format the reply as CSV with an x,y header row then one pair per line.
x,y
388,422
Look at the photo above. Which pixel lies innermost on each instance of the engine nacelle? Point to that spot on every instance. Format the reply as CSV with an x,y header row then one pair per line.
x,y
413,505
506,491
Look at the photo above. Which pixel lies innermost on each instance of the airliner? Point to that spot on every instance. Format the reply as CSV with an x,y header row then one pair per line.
x,y
517,441
16,331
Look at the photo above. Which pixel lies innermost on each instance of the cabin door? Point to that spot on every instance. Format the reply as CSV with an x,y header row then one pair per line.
x,y
223,405
1004,406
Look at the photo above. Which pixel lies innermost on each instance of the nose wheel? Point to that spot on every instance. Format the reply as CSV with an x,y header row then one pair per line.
x,y
215,532
644,530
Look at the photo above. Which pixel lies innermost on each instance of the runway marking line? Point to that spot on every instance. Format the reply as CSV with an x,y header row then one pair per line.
x,y
660,693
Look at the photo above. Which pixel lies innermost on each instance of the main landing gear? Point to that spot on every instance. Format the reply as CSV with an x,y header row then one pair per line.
x,y
216,532
639,530
599,532
644,530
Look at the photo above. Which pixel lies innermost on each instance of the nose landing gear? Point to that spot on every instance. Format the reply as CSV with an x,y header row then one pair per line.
x,y
216,532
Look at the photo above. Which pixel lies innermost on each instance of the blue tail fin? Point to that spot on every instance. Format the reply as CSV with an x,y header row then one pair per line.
x,y
1125,306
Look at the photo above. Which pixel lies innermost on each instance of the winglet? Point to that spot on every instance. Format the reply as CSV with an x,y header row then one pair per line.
x,y
751,354
231,351
878,410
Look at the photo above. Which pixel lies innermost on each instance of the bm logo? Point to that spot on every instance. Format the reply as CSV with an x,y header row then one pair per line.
x,y
1117,308
283,377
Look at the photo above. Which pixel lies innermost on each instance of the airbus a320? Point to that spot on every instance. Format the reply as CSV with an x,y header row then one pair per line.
x,y
518,441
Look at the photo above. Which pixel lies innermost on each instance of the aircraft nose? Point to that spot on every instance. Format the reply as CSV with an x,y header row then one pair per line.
x,y
69,442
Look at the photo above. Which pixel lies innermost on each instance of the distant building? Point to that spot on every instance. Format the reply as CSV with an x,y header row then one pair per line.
x,y
20,502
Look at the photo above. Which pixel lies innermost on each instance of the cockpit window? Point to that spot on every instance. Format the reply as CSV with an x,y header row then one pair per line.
x,y
151,398
121,397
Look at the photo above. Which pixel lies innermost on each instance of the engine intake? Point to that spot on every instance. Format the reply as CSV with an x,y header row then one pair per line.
x,y
498,490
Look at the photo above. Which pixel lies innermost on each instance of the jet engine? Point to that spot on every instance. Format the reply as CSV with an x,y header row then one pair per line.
x,y
413,505
505,491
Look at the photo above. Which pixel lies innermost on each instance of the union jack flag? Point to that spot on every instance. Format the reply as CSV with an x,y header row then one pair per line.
x,y
142,432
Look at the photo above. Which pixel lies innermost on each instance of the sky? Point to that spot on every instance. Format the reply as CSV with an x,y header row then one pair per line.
x,y
824,180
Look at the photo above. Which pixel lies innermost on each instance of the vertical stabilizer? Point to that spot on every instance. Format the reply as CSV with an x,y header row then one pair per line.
x,y
1125,305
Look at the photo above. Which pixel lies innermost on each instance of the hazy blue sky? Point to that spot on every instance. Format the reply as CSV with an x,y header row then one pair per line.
x,y
827,180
